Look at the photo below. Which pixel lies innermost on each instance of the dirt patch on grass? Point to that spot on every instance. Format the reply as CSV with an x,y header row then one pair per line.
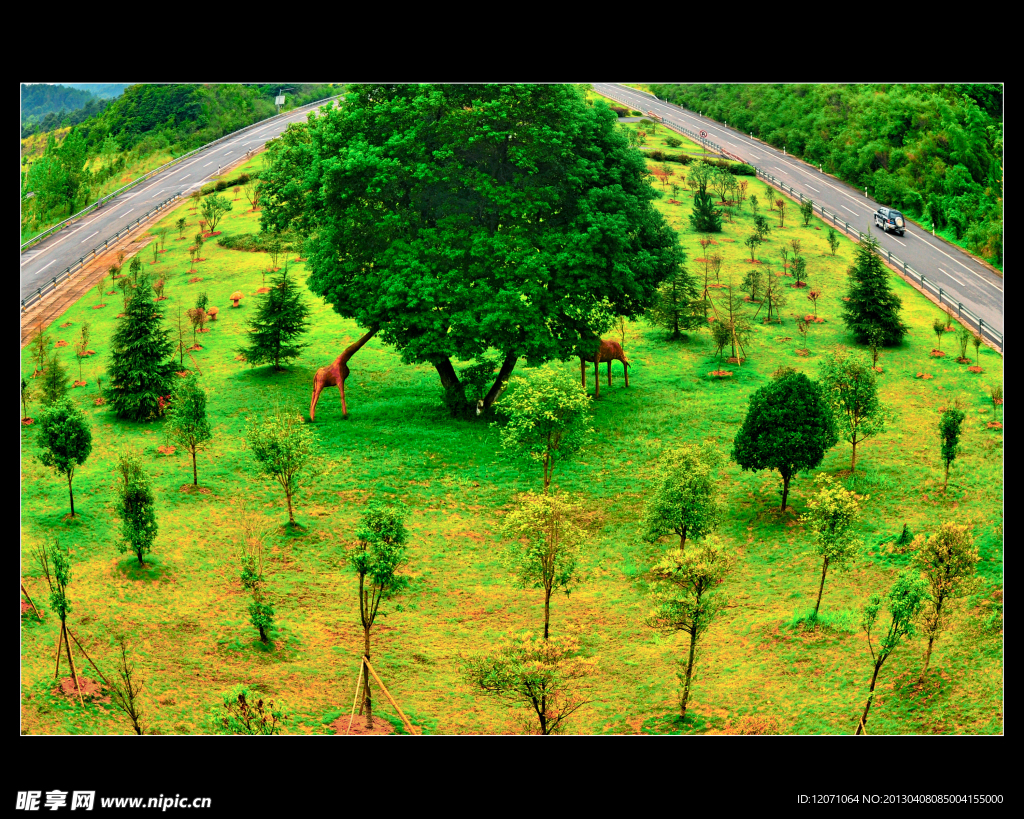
x,y
925,376
166,450
192,489
91,690
262,290
195,279
974,369
380,726
936,354
994,425
721,373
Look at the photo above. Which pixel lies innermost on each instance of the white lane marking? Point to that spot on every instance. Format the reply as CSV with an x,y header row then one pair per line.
x,y
896,240
127,211
757,155
860,202
41,269
965,267
227,153
87,238
186,176
29,259
208,164
813,188
954,279
781,171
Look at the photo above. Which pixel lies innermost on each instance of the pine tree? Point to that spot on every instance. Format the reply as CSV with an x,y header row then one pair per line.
x,y
281,317
674,306
872,302
705,218
141,370
55,380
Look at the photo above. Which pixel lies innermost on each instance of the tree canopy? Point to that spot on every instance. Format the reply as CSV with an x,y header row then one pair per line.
x,y
466,218
789,427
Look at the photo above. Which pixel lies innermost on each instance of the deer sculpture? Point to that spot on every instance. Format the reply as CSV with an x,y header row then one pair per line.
x,y
606,351
335,374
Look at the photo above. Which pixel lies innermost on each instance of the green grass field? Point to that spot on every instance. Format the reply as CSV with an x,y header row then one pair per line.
x,y
187,610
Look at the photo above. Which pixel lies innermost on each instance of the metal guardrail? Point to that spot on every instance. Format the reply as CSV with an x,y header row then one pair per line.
x,y
67,271
943,296
150,174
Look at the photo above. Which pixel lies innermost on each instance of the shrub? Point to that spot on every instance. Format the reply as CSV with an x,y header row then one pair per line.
x,y
672,142
637,113
742,169
657,156
619,112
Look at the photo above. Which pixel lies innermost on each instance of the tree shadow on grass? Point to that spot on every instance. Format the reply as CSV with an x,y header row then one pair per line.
x,y
152,570
673,724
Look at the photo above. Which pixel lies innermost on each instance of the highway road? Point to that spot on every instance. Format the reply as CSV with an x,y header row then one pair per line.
x,y
973,284
43,261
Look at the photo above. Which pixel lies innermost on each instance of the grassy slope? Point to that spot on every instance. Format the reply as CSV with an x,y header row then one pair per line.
x,y
188,610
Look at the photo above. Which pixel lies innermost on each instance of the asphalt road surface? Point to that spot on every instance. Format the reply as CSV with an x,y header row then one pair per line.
x,y
43,261
978,288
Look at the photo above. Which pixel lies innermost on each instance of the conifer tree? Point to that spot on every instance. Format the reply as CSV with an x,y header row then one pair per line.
x,y
141,370
55,380
705,218
281,317
872,302
674,306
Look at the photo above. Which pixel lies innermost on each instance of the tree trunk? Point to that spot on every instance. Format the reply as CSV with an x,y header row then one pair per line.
x,y
506,370
367,698
71,495
944,483
689,675
547,611
263,634
821,588
544,713
931,640
853,460
445,370
867,706
195,475
682,538
547,470
785,490
291,516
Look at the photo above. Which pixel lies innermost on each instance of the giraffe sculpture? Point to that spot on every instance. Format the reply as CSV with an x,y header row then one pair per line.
x,y
335,374
607,351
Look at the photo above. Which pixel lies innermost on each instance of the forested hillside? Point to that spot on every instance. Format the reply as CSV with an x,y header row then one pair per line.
x,y
933,151
103,90
111,148
47,107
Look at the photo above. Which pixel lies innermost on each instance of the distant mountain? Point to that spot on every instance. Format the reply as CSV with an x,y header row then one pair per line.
x,y
40,99
103,90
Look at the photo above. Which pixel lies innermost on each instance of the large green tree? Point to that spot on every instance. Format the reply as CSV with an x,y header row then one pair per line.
x,y
871,301
789,427
678,305
141,369
135,507
464,218
684,501
281,317
851,388
187,421
65,440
